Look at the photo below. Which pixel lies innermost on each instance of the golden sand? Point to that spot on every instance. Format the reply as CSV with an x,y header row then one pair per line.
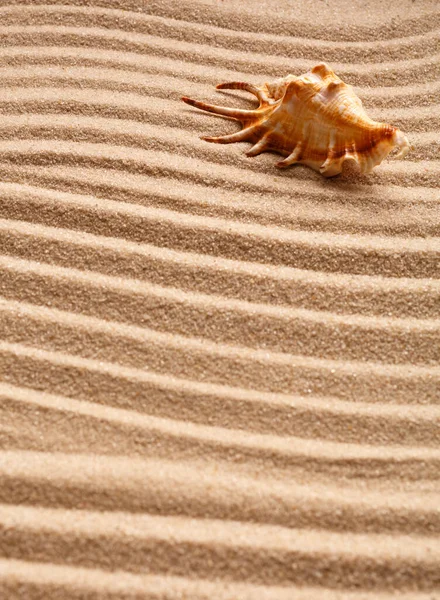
x,y
217,380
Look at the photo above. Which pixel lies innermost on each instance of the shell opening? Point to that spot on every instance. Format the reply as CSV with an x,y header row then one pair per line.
x,y
402,144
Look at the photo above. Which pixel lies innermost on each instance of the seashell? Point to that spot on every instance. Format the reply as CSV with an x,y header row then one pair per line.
x,y
315,120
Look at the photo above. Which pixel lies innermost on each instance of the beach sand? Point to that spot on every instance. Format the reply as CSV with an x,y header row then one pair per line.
x,y
217,380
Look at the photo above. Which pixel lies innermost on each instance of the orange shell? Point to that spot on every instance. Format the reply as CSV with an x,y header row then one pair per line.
x,y
316,120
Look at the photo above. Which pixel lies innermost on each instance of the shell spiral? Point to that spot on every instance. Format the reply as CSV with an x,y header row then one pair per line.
x,y
315,119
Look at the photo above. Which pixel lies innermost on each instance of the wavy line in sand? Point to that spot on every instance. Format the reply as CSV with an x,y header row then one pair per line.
x,y
267,194
139,213
372,382
230,239
206,54
278,286
250,19
291,330
222,490
36,84
163,59
220,37
97,69
33,577
361,419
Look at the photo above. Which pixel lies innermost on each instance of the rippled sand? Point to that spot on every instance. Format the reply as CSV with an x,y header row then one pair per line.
x,y
217,380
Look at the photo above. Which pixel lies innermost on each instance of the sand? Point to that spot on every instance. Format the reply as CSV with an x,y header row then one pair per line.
x,y
217,380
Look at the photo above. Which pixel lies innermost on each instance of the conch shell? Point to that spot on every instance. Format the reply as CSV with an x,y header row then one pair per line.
x,y
315,119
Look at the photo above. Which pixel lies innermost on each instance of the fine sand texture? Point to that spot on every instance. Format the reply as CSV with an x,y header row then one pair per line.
x,y
218,380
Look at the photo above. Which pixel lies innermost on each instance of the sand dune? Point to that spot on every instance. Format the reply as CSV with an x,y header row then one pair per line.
x,y
217,380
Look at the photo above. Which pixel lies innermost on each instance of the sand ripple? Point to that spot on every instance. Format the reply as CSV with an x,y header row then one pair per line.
x,y
217,380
